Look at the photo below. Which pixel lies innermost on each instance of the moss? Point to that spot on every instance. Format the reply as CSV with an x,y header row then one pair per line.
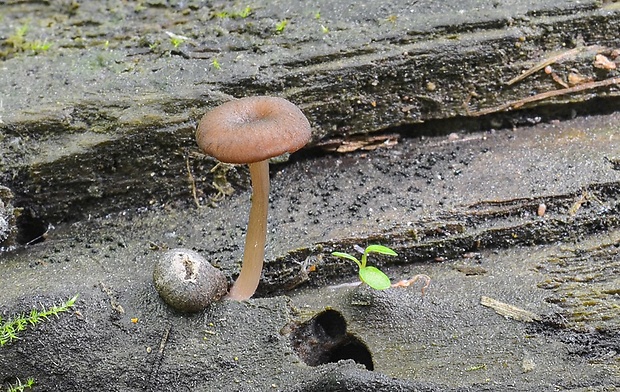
x,y
18,43
281,25
244,13
19,387
11,328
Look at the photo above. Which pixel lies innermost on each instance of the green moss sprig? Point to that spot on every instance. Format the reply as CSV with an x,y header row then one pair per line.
x,y
372,276
18,42
10,329
247,11
175,39
281,25
19,387
216,64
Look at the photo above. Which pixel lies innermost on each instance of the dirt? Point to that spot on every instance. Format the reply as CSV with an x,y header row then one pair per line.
x,y
462,209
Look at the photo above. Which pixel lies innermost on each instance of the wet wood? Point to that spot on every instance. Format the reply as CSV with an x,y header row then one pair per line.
x,y
98,116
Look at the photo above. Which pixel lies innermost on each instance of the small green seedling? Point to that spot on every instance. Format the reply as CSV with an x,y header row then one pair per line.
x,y
372,276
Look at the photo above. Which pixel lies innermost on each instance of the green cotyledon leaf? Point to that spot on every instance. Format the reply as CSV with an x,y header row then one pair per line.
x,y
347,256
375,278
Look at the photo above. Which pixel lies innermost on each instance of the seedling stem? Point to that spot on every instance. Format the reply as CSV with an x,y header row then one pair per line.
x,y
372,276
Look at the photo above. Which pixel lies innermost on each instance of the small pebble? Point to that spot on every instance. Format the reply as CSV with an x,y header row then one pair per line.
x,y
187,281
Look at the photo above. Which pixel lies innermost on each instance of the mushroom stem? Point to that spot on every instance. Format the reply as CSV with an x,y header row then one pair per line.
x,y
254,252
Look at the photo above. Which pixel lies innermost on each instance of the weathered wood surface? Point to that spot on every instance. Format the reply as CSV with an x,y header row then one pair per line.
x,y
477,233
103,118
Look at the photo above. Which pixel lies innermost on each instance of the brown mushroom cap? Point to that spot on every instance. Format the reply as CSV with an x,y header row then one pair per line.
x,y
252,129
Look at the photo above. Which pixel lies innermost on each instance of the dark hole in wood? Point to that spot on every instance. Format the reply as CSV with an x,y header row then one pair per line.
x,y
30,230
353,349
324,339
331,322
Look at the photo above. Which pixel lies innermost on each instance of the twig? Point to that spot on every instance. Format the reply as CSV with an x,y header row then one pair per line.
x,y
558,79
539,97
43,236
160,357
554,59
118,308
426,280
509,311
585,196
192,181
164,340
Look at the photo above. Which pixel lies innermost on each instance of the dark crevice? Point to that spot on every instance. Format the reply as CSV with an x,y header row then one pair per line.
x,y
30,230
324,339
463,124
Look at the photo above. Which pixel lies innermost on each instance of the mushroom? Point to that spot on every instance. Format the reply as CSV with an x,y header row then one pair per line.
x,y
252,130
